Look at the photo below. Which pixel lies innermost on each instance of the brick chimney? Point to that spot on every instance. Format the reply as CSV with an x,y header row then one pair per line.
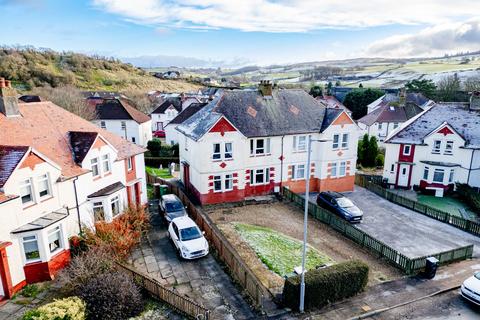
x,y
475,100
8,99
265,87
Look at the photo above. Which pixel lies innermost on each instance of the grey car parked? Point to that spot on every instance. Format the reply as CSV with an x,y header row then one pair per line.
x,y
171,207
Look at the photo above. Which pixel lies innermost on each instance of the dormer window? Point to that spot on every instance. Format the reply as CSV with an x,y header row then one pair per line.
x,y
43,186
407,149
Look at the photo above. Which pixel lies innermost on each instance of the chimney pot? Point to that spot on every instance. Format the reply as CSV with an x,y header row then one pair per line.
x,y
265,87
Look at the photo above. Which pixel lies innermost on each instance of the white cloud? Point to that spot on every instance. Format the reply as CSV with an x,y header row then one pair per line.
x,y
432,41
289,15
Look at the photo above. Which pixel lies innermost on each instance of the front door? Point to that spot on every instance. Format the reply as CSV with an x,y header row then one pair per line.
x,y
186,176
403,175
2,292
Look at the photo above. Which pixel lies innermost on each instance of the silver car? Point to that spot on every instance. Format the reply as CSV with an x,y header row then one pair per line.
x,y
171,207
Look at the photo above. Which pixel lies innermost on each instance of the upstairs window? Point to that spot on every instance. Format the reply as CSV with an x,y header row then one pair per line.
x,y
395,125
216,152
43,186
437,145
407,149
228,150
55,239
106,163
392,168
336,139
448,148
129,163
345,141
259,176
260,146
380,126
123,125
298,171
438,175
102,124
300,143
95,170
340,140
26,192
30,248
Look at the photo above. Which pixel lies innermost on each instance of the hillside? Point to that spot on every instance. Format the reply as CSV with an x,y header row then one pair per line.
x,y
30,68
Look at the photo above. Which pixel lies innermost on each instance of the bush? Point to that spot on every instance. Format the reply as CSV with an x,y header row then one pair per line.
x,y
323,286
379,160
469,195
30,291
72,308
154,146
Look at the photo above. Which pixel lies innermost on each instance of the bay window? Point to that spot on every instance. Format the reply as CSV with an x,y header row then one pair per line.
x,y
26,192
259,176
43,186
115,204
55,240
30,248
438,175
98,211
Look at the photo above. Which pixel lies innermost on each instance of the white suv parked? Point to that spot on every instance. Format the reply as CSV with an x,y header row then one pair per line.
x,y
470,289
187,238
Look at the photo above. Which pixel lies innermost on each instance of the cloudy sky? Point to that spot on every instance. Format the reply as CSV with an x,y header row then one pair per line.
x,y
239,32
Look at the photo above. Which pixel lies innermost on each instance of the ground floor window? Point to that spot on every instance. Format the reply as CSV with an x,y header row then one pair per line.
x,y
30,247
342,170
298,171
115,204
259,176
228,182
438,175
55,239
333,169
217,183
450,177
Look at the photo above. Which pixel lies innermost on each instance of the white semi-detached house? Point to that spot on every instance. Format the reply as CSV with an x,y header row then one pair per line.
x,y
119,117
57,172
248,143
165,112
436,149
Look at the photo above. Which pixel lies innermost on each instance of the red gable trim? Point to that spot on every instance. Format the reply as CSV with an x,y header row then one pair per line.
x,y
445,131
31,161
223,126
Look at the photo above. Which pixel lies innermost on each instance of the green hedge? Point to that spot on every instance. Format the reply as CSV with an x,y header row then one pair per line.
x,y
164,161
327,285
469,195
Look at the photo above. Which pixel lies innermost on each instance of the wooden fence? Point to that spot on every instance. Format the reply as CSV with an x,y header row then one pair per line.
x,y
181,303
408,265
226,253
373,183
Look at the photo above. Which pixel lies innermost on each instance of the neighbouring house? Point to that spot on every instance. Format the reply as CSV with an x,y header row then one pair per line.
x,y
165,112
171,133
248,143
170,74
120,118
389,112
436,149
57,172
332,102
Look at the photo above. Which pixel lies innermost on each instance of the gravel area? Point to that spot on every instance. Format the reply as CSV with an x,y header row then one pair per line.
x,y
288,219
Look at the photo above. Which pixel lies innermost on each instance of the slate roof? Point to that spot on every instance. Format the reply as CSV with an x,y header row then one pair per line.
x,y
389,113
81,142
175,102
101,94
464,121
108,190
119,109
45,127
187,113
290,111
10,156
332,102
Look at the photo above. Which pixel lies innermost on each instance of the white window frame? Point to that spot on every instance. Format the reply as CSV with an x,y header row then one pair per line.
x,y
94,162
451,175
129,164
57,229
266,176
217,179
333,169
448,148
336,145
105,159
103,124
227,155
32,238
40,179
342,166
27,183
426,172
395,125
436,149
123,125
217,155
115,199
443,175
254,149
345,138
380,126
228,178
296,169
98,205
405,153
300,143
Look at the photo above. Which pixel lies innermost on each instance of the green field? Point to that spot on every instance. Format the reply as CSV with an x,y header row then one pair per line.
x,y
161,173
278,252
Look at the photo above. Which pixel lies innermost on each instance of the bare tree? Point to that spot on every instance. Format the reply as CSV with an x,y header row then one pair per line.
x,y
472,84
69,98
139,100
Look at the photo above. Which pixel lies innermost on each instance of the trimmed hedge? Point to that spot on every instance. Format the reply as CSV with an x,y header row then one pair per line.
x,y
327,285
469,195
155,162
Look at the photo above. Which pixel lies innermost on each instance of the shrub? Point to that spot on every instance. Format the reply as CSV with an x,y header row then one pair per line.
x,y
379,160
111,296
323,286
30,291
469,195
154,146
72,308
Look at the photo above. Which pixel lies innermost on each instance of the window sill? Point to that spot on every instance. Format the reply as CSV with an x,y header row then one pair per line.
x,y
46,198
108,174
97,178
29,205
33,262
260,155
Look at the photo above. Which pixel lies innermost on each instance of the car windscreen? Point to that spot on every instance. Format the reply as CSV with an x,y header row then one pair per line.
x,y
173,206
345,203
190,233
477,275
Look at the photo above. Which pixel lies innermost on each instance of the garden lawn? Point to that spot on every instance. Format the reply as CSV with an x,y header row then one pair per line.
x,y
447,204
161,173
280,253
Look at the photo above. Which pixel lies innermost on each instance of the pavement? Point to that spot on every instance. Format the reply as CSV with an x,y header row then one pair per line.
x,y
400,293
405,230
203,280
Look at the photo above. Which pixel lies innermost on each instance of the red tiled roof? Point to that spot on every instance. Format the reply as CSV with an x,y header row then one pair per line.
x,y
5,198
136,115
45,126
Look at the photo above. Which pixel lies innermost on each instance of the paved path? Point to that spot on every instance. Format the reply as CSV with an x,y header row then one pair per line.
x,y
203,280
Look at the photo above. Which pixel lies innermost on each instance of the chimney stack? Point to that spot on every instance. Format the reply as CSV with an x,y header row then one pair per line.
x,y
8,99
475,100
265,88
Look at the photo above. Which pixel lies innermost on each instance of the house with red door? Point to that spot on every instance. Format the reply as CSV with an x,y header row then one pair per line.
x,y
436,148
58,173
248,143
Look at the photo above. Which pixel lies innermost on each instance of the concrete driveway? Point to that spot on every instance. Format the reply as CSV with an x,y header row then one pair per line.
x,y
407,231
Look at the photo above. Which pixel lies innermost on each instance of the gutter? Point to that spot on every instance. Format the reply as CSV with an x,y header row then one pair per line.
x,y
281,166
470,169
77,206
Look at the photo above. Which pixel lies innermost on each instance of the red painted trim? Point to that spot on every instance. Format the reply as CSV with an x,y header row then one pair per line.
x,y
406,158
5,271
398,172
223,126
130,175
45,271
410,176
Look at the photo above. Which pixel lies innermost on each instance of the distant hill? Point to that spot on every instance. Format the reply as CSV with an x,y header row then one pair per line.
x,y
30,68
